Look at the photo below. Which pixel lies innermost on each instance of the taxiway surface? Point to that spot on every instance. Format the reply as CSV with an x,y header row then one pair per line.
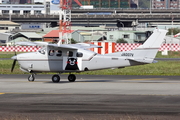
x,y
90,97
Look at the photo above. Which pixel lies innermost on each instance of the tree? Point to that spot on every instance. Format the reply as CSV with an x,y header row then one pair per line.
x,y
173,30
121,40
73,41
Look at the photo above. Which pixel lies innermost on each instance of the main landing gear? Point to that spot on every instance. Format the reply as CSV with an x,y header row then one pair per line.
x,y
55,78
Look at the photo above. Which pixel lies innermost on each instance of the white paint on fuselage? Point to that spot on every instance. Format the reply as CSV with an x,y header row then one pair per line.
x,y
38,62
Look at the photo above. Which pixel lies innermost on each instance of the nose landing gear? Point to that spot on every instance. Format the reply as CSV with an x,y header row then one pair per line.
x,y
31,78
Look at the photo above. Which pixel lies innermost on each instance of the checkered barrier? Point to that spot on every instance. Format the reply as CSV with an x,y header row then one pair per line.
x,y
170,47
19,48
126,47
107,47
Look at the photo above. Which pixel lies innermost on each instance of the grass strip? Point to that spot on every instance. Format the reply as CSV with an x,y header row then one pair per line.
x,y
169,68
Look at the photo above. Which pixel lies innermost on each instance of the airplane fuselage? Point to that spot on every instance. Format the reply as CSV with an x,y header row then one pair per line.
x,y
62,61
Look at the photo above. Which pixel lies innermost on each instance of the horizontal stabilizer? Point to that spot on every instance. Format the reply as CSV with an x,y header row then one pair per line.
x,y
145,61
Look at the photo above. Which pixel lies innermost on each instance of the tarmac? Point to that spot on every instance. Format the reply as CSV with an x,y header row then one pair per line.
x,y
91,97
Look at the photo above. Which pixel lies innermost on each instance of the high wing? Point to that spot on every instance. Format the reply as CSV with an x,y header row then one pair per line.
x,y
42,44
65,46
75,46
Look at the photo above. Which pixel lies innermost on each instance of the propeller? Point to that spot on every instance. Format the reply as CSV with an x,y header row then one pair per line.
x,y
14,58
14,62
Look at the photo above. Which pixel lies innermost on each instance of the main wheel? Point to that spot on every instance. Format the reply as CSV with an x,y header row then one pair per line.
x,y
31,78
55,78
71,78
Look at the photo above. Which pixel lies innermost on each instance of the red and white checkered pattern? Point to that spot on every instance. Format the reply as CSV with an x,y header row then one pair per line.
x,y
125,46
170,47
107,47
19,48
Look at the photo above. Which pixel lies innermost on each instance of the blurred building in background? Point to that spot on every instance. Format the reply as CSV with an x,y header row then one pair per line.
x,y
165,4
17,1
109,3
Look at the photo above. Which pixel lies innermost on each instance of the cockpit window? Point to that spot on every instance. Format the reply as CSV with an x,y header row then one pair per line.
x,y
42,50
79,54
58,53
70,53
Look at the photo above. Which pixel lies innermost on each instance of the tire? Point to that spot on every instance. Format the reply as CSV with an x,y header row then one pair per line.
x,y
55,78
71,78
31,78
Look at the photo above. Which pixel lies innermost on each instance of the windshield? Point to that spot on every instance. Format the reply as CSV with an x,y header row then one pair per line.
x,y
42,50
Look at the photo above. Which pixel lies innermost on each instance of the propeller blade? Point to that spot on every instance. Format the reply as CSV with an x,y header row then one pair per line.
x,y
13,65
15,53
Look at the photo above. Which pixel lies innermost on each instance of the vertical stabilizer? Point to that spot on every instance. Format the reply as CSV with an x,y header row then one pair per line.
x,y
151,46
155,40
146,52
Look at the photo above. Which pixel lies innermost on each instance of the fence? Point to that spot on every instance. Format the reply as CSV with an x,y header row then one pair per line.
x,y
108,47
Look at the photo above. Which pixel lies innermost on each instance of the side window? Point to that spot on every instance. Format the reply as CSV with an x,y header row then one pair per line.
x,y
58,53
79,54
51,52
70,53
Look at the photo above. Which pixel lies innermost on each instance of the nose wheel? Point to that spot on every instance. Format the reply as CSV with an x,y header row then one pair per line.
x,y
31,78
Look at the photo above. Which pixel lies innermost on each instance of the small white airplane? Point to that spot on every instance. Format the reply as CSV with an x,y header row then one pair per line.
x,y
68,58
